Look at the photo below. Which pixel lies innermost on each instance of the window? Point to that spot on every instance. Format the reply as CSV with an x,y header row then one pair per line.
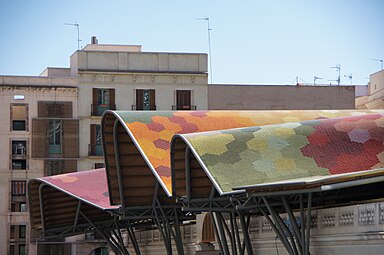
x,y
183,100
19,114
54,137
22,249
145,100
18,206
12,249
19,148
98,134
19,151
99,165
17,238
103,99
96,146
18,188
100,251
22,231
19,164
12,232
54,167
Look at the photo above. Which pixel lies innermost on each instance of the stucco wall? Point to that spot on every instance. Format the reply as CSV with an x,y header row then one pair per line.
x,y
376,82
262,97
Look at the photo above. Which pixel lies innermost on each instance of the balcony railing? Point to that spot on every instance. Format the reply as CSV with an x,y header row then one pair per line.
x,y
95,150
19,150
184,107
98,110
136,107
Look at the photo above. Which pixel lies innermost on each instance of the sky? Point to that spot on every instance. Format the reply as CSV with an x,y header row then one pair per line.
x,y
252,41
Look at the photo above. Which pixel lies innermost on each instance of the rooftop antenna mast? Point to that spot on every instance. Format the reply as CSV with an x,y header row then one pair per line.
x,y
78,32
349,76
209,44
338,67
316,78
379,60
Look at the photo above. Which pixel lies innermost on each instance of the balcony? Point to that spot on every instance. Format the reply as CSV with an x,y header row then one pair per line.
x,y
19,149
136,107
95,150
184,107
98,110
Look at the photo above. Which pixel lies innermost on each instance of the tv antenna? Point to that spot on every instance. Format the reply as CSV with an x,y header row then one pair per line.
x,y
78,32
338,67
209,43
349,76
379,60
316,78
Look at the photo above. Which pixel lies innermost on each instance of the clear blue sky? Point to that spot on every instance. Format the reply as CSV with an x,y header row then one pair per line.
x,y
253,42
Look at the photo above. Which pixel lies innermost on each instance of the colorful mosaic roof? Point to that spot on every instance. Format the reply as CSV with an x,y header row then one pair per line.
x,y
266,154
152,131
88,186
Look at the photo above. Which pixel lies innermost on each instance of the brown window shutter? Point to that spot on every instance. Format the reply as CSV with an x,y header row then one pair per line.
x,y
70,166
39,138
139,99
152,98
70,138
93,139
94,101
67,110
42,109
183,99
112,102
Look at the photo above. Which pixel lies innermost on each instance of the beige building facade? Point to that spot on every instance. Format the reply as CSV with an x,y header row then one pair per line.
x,y
280,97
21,101
374,96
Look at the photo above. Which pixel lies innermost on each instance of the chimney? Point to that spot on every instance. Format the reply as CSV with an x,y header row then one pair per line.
x,y
94,40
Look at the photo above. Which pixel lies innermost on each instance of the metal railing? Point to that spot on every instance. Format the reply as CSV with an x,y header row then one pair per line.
x,y
184,107
136,107
97,110
95,150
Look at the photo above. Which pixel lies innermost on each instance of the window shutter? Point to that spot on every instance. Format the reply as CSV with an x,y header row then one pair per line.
x,y
152,98
67,110
39,138
94,101
139,99
112,102
93,139
183,99
70,166
41,109
70,138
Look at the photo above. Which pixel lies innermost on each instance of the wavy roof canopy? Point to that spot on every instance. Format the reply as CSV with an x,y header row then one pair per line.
x,y
276,153
60,195
144,139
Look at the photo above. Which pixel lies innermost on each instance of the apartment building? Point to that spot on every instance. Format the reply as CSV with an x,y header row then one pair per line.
x,y
373,96
51,124
122,77
39,134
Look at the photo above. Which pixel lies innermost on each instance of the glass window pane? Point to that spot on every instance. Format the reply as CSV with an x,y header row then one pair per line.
x,y
22,231
98,135
22,249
